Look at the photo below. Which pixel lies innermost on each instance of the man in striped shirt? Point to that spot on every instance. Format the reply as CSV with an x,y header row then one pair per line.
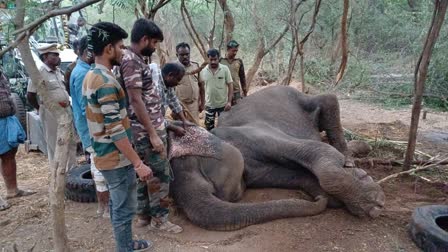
x,y
110,133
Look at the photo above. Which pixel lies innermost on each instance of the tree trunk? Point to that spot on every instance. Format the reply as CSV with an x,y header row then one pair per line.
x,y
344,44
302,72
257,61
229,22
58,166
421,71
261,49
280,63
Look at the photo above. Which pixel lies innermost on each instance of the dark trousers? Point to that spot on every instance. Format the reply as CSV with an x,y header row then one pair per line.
x,y
210,115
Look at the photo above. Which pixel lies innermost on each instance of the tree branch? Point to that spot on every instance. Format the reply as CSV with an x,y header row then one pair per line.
x,y
55,12
191,30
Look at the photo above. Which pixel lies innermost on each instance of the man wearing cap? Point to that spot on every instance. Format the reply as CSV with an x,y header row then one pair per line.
x,y
236,69
55,88
190,91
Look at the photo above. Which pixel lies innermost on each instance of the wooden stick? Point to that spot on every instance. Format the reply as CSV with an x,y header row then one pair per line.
x,y
420,168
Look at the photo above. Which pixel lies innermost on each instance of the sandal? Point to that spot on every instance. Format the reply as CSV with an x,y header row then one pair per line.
x,y
20,193
166,226
4,206
140,245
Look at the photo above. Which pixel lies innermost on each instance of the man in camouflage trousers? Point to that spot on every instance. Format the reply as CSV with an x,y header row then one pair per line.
x,y
148,126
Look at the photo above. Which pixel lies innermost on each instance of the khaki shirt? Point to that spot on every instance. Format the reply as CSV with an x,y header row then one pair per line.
x,y
188,89
216,86
234,67
55,84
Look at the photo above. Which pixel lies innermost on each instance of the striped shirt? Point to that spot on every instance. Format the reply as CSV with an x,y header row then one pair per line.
x,y
106,117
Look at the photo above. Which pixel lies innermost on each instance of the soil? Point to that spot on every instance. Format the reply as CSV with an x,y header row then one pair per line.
x,y
28,222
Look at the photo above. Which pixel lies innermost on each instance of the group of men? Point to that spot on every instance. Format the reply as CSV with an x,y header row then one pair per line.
x,y
119,101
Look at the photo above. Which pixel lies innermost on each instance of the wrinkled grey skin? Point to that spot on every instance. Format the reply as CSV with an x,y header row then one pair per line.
x,y
276,130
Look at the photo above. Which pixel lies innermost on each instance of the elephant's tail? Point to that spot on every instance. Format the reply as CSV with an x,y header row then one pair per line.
x,y
195,197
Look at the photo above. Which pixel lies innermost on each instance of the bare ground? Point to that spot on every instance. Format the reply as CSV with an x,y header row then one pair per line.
x,y
27,222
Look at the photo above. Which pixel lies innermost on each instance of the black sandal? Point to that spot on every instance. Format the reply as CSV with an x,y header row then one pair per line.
x,y
140,245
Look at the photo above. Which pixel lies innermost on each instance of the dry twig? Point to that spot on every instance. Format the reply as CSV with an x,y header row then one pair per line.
x,y
419,168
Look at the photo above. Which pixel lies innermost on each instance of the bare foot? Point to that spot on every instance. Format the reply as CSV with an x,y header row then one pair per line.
x,y
20,193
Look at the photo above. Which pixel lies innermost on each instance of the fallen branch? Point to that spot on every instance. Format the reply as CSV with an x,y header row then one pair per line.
x,y
375,161
420,168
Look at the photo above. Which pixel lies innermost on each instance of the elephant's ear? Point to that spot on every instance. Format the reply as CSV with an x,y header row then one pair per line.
x,y
196,142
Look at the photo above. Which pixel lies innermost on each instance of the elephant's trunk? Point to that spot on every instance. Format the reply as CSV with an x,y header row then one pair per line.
x,y
209,212
226,216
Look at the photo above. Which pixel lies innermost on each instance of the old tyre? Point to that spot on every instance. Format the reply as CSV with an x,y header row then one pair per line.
x,y
429,227
79,185
20,109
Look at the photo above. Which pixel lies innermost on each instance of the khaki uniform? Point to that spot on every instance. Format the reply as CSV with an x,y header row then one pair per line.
x,y
239,80
56,90
188,90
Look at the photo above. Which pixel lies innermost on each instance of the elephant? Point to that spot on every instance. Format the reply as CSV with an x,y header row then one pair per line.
x,y
270,139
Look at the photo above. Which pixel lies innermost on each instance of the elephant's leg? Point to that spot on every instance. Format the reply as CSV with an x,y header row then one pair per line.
x,y
329,120
279,177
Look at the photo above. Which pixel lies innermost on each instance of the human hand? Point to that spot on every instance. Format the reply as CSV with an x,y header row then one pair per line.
x,y
158,146
178,131
143,171
156,143
228,106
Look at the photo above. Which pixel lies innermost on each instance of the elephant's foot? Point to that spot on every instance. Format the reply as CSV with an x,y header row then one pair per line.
x,y
360,194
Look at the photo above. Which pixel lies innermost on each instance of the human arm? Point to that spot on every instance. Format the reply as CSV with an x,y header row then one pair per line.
x,y
229,96
142,170
243,79
31,95
32,99
113,124
229,82
201,96
179,131
175,106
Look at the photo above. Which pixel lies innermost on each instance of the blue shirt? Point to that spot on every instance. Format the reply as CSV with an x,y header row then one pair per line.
x,y
79,103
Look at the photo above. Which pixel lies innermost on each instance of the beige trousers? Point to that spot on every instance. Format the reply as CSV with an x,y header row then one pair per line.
x,y
50,127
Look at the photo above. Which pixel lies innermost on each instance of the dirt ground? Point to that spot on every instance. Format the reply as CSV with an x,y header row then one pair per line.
x,y
27,222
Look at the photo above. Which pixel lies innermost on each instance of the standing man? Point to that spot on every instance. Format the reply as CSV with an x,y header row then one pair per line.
x,y
110,133
70,67
79,114
55,88
190,91
218,88
11,135
237,70
148,125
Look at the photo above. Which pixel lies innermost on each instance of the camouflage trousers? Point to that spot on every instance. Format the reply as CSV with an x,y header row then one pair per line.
x,y
210,115
152,195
